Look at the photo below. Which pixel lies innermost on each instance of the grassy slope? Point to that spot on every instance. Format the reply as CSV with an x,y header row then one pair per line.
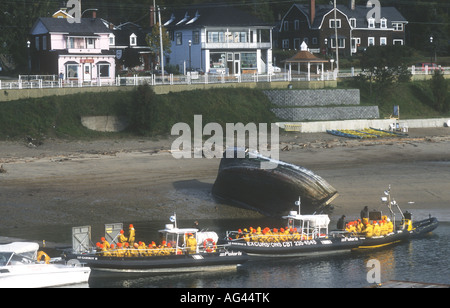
x,y
60,116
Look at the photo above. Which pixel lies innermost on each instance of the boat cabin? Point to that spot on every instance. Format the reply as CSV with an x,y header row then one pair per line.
x,y
18,253
309,226
177,237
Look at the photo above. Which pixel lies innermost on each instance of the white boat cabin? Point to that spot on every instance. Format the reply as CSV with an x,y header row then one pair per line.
x,y
309,226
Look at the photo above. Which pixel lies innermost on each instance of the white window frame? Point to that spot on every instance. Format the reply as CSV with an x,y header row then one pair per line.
x,y
398,40
338,23
112,40
353,22
383,41
296,24
371,23
341,43
398,26
371,39
383,23
285,44
133,40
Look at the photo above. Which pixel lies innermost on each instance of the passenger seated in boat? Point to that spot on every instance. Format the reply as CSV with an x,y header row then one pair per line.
x,y
105,243
122,238
390,226
376,228
246,235
120,252
359,226
351,228
126,250
239,234
368,230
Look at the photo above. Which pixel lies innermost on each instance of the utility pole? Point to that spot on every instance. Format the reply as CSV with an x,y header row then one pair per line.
x,y
161,44
336,37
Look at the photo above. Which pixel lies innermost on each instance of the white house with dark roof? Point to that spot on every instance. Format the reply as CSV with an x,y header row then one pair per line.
x,y
219,40
76,51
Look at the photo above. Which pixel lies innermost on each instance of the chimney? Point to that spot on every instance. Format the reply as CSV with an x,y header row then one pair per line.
x,y
94,14
352,4
312,11
152,16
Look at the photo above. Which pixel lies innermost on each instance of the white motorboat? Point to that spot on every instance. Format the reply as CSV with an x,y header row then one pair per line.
x,y
19,268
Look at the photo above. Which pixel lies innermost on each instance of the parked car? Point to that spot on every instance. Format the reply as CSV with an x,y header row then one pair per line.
x,y
276,69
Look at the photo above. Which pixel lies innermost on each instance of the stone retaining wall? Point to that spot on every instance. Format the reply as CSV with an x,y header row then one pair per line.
x,y
303,98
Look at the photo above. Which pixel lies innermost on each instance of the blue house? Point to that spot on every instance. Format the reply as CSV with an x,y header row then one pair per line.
x,y
219,40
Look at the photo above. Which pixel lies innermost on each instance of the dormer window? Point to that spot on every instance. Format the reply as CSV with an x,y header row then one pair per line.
x,y
133,40
353,22
383,23
371,22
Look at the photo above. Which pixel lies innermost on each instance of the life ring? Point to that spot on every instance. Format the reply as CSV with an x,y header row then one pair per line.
x,y
209,245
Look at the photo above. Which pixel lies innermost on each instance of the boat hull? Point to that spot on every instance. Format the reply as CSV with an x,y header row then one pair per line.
x,y
243,182
163,264
297,248
42,276
332,244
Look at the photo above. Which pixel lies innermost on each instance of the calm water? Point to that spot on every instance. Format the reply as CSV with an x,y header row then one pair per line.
x,y
423,260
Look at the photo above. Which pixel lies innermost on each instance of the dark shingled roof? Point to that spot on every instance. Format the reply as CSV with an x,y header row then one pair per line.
x,y
86,26
212,16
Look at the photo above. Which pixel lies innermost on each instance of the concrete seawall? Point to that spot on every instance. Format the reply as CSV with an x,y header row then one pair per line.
x,y
323,126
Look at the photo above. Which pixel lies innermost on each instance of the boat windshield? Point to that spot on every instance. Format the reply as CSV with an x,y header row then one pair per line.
x,y
5,257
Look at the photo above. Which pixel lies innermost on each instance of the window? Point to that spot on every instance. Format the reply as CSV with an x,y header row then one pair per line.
x,y
397,26
72,70
297,25
286,26
248,60
195,37
398,42
112,40
371,41
179,38
71,43
315,41
383,23
335,23
285,44
37,42
90,43
44,42
383,41
371,22
218,60
103,70
133,40
341,43
353,22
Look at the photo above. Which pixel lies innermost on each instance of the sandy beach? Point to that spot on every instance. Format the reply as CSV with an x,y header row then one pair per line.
x,y
88,182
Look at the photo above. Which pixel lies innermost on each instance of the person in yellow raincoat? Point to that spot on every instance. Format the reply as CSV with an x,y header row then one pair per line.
x,y
376,229
132,235
191,243
369,230
122,237
390,226
105,243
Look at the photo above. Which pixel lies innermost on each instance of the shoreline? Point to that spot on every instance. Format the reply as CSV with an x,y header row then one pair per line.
x,y
88,182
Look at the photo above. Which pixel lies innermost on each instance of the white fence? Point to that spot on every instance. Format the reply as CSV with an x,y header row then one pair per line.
x,y
52,81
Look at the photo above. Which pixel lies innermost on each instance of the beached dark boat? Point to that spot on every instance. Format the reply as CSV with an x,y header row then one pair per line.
x,y
175,256
308,234
243,182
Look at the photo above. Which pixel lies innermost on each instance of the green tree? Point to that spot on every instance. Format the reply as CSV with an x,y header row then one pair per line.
x,y
142,111
154,42
439,86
